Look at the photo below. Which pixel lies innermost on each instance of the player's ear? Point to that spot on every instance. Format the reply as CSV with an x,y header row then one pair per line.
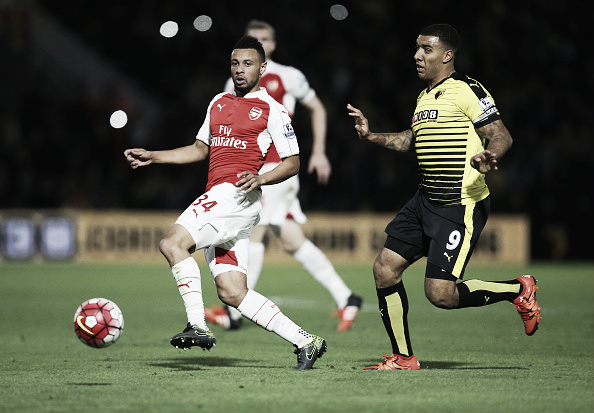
x,y
263,68
448,56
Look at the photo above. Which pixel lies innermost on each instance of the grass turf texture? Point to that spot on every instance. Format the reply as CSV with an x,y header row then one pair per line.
x,y
473,360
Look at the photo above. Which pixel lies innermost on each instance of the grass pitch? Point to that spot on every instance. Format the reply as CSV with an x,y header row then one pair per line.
x,y
473,360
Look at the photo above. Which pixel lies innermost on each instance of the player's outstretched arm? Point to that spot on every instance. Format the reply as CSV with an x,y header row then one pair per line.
x,y
286,169
186,154
138,157
401,141
499,140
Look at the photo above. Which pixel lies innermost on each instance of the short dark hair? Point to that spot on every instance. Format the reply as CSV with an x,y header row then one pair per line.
x,y
260,25
249,42
446,33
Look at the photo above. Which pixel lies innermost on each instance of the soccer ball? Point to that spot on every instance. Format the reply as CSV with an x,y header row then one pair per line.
x,y
98,322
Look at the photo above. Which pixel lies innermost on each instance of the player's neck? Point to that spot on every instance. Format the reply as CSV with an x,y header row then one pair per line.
x,y
242,93
438,79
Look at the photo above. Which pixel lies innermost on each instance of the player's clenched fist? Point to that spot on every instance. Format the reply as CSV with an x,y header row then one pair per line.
x,y
138,157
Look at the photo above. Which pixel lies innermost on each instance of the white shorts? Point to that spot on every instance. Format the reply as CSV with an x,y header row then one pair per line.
x,y
279,201
221,221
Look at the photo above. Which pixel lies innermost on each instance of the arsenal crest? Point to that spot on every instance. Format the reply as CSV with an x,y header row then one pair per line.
x,y
255,113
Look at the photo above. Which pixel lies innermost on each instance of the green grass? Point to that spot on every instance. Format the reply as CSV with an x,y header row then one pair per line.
x,y
473,360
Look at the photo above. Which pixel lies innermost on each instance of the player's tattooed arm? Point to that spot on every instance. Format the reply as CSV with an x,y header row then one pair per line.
x,y
498,137
401,141
499,141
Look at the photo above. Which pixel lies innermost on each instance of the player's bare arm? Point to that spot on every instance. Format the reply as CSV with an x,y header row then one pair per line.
x,y
186,154
499,141
318,162
401,141
287,168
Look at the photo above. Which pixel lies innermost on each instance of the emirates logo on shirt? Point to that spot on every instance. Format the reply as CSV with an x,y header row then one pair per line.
x,y
255,113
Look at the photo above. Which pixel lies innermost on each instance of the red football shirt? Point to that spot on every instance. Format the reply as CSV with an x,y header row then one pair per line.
x,y
240,132
286,85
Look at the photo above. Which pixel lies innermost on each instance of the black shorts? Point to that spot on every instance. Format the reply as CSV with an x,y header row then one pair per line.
x,y
445,235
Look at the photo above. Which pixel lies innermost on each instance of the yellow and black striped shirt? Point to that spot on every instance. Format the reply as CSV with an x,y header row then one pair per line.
x,y
445,139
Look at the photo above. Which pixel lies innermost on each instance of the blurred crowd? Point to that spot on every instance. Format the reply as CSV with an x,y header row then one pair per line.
x,y
58,149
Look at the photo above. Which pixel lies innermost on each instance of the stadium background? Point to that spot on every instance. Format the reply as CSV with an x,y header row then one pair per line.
x,y
68,65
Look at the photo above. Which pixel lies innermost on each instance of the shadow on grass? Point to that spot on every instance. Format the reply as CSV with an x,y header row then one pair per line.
x,y
456,365
196,363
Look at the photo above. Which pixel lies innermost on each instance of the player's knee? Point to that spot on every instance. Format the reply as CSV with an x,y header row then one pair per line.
x,y
225,296
231,296
164,246
385,274
379,269
231,287
441,300
441,292
168,247
292,239
291,246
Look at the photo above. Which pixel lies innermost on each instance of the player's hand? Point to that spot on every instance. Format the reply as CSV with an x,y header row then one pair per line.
x,y
248,181
138,157
319,163
361,124
484,162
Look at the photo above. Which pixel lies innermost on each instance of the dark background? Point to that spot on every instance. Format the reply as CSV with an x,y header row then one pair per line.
x,y
57,149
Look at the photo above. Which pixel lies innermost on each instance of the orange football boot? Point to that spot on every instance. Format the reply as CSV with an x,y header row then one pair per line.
x,y
347,315
397,362
217,314
527,305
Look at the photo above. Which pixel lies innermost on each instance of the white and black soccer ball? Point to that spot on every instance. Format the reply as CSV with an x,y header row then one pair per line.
x,y
98,322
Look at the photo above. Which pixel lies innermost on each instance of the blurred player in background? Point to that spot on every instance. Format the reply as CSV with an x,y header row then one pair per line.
x,y
454,121
239,129
281,210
